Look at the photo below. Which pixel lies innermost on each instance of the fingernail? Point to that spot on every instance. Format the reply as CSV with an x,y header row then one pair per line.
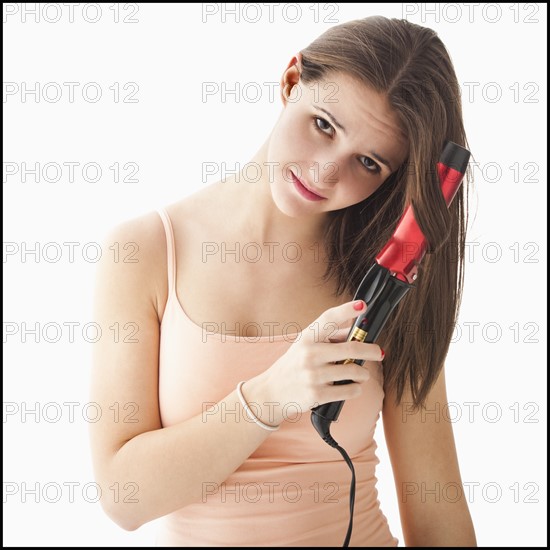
x,y
383,354
358,305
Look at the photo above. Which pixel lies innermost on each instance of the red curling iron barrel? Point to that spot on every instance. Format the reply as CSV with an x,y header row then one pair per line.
x,y
391,276
407,246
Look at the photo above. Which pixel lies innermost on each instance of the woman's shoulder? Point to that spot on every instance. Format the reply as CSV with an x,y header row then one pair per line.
x,y
197,218
134,240
133,258
147,229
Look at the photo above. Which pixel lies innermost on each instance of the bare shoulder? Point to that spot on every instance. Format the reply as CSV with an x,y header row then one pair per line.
x,y
134,243
135,252
195,219
135,256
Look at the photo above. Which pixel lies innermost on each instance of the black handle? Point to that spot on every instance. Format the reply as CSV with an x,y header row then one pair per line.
x,y
382,293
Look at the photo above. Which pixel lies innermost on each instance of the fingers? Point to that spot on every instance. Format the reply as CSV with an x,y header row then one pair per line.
x,y
340,351
340,335
351,371
327,325
330,393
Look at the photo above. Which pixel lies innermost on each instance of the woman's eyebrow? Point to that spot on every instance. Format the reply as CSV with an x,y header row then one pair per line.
x,y
333,120
375,156
381,160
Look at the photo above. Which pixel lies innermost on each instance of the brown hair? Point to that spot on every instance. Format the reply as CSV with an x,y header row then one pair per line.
x,y
410,65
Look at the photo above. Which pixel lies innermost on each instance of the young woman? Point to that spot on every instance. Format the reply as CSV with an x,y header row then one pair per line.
x,y
251,280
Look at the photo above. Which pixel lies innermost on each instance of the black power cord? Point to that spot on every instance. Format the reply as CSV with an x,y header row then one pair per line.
x,y
329,439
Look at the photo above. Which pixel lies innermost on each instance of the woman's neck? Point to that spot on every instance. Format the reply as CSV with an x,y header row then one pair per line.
x,y
254,212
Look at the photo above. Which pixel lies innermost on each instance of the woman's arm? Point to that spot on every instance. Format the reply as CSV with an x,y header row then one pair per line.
x,y
144,470
421,446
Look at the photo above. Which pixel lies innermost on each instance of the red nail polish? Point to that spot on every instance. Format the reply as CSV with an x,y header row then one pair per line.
x,y
358,305
383,354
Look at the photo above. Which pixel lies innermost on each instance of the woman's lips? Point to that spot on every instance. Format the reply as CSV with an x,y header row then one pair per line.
x,y
304,191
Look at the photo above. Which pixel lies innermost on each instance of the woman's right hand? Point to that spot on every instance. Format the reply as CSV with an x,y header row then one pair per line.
x,y
304,375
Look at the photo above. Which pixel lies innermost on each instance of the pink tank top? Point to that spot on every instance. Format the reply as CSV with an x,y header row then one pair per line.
x,y
294,489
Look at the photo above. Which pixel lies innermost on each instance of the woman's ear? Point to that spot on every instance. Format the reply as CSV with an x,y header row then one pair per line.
x,y
291,77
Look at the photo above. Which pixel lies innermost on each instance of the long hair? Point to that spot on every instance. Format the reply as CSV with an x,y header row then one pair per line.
x,y
410,65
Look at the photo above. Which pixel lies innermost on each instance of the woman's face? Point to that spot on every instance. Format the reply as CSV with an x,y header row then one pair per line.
x,y
340,138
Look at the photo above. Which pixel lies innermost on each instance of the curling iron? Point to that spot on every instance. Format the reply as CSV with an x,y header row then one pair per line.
x,y
386,283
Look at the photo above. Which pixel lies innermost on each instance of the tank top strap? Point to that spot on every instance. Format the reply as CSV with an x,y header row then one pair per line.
x,y
170,249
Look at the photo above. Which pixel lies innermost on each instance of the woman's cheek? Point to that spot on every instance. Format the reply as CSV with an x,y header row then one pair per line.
x,y
288,143
351,192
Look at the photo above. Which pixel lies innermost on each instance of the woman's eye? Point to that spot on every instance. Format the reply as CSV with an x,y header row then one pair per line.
x,y
324,126
369,164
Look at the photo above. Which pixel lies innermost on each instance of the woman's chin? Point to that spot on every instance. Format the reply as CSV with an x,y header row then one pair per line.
x,y
289,203
290,206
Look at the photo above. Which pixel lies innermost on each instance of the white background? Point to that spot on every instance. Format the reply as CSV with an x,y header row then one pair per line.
x,y
499,368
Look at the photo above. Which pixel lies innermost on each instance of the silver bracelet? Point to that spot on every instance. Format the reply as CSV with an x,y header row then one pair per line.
x,y
250,414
